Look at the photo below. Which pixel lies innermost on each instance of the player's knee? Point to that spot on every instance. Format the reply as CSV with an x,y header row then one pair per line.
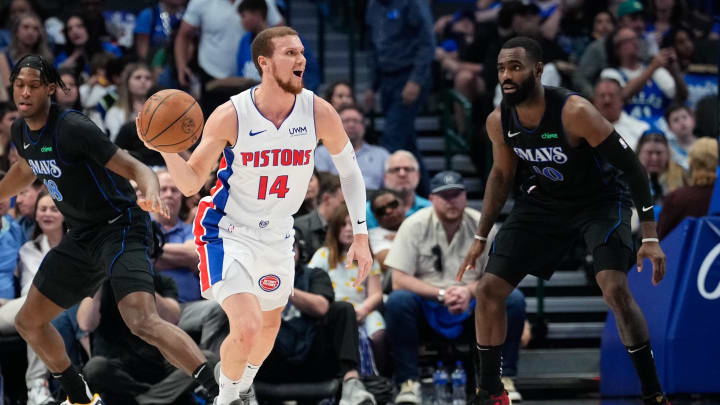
x,y
25,324
486,294
245,328
144,326
616,295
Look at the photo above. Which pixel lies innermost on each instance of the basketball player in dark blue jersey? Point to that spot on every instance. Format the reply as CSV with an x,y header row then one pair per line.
x,y
109,236
578,178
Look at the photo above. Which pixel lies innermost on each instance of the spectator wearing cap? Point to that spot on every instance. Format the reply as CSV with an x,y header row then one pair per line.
x,y
607,98
370,158
424,258
401,51
402,174
594,59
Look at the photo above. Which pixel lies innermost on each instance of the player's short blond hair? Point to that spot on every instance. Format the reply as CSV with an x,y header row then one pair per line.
x,y
263,45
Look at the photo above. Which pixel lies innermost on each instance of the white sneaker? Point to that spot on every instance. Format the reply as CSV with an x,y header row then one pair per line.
x,y
409,393
38,392
513,393
354,393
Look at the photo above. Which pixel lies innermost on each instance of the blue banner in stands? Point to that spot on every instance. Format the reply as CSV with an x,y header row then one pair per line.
x,y
682,315
715,200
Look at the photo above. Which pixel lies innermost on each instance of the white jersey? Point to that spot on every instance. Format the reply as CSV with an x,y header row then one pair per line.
x,y
263,178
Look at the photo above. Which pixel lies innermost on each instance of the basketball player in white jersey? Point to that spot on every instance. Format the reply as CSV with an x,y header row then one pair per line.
x,y
244,230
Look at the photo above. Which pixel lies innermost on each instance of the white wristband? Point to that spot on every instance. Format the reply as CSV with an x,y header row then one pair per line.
x,y
481,238
646,240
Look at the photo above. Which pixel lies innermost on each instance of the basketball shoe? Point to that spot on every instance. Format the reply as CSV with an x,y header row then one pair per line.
x,y
96,400
483,398
656,399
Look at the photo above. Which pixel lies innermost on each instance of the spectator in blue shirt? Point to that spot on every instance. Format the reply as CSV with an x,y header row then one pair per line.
x,y
154,25
11,239
371,158
178,259
402,175
253,14
402,48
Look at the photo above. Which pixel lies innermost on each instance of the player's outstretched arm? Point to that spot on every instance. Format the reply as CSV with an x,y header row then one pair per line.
x,y
17,178
220,131
127,166
497,189
582,120
330,130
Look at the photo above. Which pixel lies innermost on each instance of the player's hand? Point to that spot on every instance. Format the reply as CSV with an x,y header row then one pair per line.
x,y
360,251
652,251
477,248
410,92
151,202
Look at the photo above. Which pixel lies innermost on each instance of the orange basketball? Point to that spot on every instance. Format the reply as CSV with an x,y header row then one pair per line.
x,y
171,121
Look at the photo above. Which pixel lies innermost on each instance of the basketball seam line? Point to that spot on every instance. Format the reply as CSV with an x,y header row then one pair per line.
x,y
177,143
153,113
173,123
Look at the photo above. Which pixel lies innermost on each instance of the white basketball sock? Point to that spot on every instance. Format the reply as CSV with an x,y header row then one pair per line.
x,y
228,389
248,377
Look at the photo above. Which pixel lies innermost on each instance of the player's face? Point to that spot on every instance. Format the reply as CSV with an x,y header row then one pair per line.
x,y
170,194
449,205
516,75
47,216
30,93
288,63
345,237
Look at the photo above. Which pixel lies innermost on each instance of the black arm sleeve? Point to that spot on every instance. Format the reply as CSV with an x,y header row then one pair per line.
x,y
619,154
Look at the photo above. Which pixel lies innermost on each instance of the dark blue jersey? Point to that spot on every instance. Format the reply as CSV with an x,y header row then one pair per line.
x,y
549,168
69,154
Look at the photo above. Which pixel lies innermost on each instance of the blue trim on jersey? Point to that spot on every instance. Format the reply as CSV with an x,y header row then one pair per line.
x,y
122,249
220,199
148,226
252,98
599,168
100,188
117,190
214,246
618,222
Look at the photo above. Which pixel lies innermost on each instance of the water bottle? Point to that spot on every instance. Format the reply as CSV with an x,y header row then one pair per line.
x,y
440,383
459,379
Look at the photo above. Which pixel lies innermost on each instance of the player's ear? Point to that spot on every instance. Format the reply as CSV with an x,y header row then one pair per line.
x,y
539,68
52,88
263,61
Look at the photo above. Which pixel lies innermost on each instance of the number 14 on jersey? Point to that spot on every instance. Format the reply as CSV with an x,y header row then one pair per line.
x,y
279,187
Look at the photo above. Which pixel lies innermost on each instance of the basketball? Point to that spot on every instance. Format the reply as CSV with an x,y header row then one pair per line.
x,y
171,121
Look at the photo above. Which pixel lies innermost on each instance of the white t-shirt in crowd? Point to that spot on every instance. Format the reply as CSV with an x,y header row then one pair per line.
x,y
630,128
29,259
220,33
661,76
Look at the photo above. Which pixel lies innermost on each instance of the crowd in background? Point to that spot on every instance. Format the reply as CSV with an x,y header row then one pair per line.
x,y
648,66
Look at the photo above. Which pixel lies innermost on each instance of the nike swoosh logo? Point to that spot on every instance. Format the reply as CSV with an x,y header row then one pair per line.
x,y
360,222
256,133
112,221
26,145
646,209
196,375
511,134
636,350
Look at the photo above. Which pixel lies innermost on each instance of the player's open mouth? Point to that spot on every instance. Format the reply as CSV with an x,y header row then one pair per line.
x,y
509,88
298,73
